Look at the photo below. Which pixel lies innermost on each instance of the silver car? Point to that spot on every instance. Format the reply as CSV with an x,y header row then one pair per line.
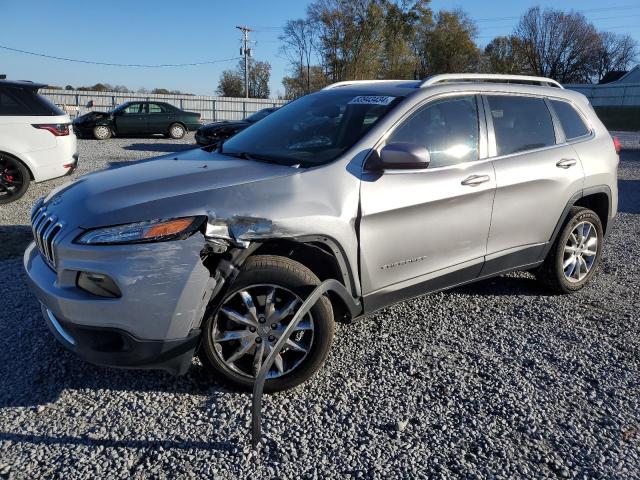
x,y
394,188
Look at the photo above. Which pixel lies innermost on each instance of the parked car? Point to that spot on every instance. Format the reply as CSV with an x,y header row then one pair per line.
x,y
35,139
216,132
394,188
137,118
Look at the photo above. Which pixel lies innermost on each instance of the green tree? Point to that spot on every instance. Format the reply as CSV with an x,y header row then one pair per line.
x,y
230,84
449,46
504,55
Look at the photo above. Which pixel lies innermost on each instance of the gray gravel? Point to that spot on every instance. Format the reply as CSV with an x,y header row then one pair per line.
x,y
497,379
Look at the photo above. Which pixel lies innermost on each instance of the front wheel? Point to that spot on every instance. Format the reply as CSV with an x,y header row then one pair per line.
x,y
575,254
102,132
241,333
177,131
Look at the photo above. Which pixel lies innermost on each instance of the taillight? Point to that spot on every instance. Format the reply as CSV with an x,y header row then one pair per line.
x,y
617,145
58,129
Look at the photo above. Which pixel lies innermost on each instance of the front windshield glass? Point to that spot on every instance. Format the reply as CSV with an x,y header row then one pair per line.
x,y
312,130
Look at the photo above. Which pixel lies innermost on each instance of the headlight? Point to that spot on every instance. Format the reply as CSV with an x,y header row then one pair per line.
x,y
142,232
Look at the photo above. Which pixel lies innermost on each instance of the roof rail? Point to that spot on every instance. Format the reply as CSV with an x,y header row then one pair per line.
x,y
489,77
356,82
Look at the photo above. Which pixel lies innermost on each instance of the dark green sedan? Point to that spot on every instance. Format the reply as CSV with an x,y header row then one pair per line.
x,y
137,118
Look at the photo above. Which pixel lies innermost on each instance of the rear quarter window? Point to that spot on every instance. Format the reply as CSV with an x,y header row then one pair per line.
x,y
571,121
25,102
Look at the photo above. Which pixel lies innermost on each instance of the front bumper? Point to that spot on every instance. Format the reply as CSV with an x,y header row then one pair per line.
x,y
154,325
116,348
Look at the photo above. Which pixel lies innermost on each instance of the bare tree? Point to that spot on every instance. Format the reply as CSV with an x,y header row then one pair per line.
x,y
563,46
616,52
299,44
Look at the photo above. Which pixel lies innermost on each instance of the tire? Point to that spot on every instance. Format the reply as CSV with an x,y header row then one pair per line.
x,y
14,179
102,132
177,131
287,277
553,273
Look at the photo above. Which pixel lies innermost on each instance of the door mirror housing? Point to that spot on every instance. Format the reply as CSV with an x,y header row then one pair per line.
x,y
403,156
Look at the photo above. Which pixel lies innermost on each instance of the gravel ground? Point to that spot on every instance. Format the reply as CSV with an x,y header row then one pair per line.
x,y
497,379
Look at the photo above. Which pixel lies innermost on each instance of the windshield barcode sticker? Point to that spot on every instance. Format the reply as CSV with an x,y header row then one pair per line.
x,y
372,100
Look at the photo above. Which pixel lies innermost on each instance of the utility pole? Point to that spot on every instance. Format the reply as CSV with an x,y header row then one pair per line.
x,y
246,52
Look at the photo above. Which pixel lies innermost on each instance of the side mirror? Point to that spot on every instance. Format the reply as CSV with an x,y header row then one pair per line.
x,y
403,156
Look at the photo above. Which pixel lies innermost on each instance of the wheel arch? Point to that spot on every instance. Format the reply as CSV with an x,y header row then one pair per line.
x,y
21,160
596,198
324,257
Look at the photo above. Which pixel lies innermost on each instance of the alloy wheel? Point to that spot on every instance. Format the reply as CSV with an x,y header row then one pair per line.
x,y
11,178
250,322
580,251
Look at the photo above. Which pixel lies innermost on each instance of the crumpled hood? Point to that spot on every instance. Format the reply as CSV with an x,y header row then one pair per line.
x,y
90,116
174,185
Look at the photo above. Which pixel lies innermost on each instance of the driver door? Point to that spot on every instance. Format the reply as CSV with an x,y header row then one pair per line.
x,y
132,119
427,229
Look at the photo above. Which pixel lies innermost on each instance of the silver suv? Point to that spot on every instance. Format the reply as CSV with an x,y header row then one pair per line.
x,y
394,188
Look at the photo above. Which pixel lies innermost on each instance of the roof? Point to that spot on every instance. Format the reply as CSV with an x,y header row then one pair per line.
x,y
22,84
632,76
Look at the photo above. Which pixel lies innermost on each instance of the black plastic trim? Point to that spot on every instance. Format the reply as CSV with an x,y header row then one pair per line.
x,y
113,347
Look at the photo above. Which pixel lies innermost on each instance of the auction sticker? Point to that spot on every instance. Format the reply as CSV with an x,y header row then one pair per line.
x,y
371,100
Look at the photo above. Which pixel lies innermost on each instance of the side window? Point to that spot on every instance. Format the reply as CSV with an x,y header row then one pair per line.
x,y
520,123
10,105
155,108
448,128
133,109
571,122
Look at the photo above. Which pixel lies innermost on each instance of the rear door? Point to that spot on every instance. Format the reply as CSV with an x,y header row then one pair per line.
x,y
158,118
132,119
537,173
421,227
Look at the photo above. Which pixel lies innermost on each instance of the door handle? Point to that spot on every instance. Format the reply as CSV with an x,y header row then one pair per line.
x,y
566,163
475,180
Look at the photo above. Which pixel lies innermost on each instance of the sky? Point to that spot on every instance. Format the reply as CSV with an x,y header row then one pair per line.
x,y
162,32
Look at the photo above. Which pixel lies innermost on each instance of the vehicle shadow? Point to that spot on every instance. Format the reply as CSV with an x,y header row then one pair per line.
x,y
629,196
14,240
161,147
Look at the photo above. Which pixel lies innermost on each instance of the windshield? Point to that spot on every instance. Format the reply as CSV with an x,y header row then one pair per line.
x,y
260,114
313,130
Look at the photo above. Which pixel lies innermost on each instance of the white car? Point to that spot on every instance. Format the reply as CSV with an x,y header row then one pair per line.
x,y
36,141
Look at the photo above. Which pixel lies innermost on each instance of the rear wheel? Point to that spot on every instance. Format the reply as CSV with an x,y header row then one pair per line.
x,y
575,254
262,301
177,131
14,179
102,132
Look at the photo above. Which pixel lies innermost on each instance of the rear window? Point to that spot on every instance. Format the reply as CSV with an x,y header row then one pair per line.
x,y
570,120
520,123
25,102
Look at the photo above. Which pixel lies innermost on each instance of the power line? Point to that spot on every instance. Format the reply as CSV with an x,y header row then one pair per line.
x,y
586,10
141,65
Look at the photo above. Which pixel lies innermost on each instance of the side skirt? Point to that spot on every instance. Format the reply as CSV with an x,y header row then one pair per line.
x,y
529,257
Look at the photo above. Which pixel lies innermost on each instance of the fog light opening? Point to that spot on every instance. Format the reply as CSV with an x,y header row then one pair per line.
x,y
98,284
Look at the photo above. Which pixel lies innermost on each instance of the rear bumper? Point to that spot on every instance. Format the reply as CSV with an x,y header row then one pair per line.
x,y
116,348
